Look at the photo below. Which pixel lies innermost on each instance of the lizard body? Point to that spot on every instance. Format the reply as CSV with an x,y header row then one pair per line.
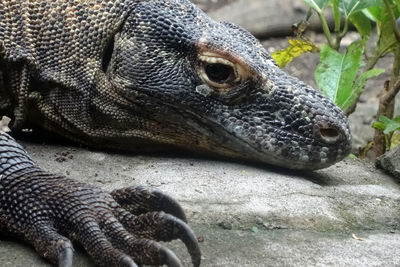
x,y
144,75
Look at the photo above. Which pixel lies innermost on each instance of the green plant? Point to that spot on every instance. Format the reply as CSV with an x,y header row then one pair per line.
x,y
343,73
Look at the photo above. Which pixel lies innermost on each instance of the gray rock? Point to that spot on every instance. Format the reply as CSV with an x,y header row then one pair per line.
x,y
390,162
227,225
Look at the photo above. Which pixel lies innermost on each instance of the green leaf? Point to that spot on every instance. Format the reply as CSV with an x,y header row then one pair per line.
x,y
397,3
358,87
387,40
397,119
336,72
395,140
317,5
352,156
373,13
350,7
377,13
379,126
362,24
390,125
296,48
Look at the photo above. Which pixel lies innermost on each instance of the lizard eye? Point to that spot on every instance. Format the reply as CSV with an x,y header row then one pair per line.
x,y
219,72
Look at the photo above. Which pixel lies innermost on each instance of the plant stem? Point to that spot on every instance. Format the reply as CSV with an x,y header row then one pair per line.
x,y
395,79
340,35
380,146
325,27
386,103
345,28
336,16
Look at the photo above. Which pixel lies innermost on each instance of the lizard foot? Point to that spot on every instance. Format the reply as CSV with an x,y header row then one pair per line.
x,y
50,211
151,214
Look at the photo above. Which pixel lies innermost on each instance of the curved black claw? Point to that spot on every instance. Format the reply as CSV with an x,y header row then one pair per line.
x,y
127,262
161,227
144,251
65,257
141,199
187,236
170,258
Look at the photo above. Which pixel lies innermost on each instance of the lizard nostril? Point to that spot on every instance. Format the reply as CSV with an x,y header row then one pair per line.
x,y
329,134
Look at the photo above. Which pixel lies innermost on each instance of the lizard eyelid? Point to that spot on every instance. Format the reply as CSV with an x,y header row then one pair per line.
x,y
220,73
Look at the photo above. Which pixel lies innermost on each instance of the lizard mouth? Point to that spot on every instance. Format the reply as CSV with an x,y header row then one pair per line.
x,y
290,155
315,157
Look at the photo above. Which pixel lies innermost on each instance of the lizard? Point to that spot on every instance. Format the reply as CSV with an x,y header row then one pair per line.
x,y
141,75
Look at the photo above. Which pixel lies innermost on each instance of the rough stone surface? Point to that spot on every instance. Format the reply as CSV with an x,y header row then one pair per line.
x,y
390,162
275,217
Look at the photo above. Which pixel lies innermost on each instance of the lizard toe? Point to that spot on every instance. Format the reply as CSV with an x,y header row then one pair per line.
x,y
97,244
127,262
161,227
51,245
65,256
142,250
141,199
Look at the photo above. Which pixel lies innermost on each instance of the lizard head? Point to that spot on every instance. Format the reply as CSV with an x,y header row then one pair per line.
x,y
211,87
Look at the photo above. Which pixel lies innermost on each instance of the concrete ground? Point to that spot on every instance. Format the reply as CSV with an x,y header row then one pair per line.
x,y
345,215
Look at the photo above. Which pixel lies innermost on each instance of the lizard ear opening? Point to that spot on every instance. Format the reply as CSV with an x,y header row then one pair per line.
x,y
107,54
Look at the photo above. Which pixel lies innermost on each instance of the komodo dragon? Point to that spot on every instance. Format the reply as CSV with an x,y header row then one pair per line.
x,y
141,75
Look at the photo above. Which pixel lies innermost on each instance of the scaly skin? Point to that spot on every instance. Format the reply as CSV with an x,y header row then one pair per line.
x,y
141,75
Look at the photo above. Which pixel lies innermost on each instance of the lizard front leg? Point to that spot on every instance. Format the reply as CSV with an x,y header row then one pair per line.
x,y
49,211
